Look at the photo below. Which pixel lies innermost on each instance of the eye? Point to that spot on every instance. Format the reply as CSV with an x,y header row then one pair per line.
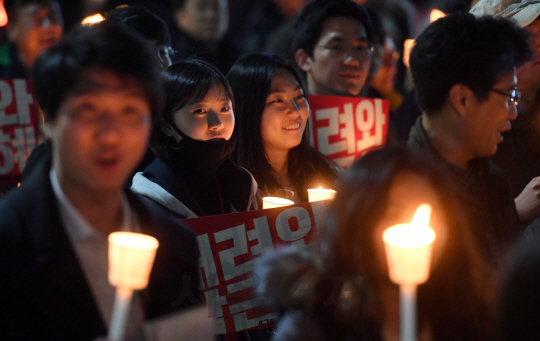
x,y
198,111
224,109
301,96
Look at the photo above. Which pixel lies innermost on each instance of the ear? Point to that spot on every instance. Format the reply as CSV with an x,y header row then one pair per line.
x,y
459,97
303,60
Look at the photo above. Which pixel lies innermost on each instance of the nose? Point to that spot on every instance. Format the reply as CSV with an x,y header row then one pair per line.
x,y
294,108
214,123
110,129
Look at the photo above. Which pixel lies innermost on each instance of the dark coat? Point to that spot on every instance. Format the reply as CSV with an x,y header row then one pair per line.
x,y
487,203
43,291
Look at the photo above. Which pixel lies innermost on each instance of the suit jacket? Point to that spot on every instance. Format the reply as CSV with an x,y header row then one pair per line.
x,y
43,291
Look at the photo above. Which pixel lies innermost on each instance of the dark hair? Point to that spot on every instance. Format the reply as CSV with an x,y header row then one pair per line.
x,y
344,256
251,78
62,69
464,49
177,4
143,21
307,29
185,82
13,6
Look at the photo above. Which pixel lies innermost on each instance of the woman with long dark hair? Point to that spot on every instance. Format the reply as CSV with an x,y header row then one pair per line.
x,y
193,175
272,115
339,289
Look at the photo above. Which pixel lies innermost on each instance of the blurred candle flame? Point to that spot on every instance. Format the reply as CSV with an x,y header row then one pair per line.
x,y
92,19
3,14
436,14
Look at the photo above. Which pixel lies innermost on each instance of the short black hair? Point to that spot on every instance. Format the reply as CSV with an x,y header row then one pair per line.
x,y
464,49
185,82
307,29
143,21
62,69
12,6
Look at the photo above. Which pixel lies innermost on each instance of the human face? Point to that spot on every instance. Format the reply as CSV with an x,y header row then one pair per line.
x,y
284,118
210,118
486,120
100,135
35,29
205,20
341,59
408,191
529,73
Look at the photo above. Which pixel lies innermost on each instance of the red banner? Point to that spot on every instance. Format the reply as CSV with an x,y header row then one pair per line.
x,y
345,128
229,246
19,127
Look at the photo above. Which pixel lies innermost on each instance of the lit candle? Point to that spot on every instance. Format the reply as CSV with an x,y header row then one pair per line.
x,y
131,256
317,194
273,202
408,254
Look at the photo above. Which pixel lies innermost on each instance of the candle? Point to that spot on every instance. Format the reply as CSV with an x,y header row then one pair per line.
x,y
317,194
407,47
131,256
272,202
408,254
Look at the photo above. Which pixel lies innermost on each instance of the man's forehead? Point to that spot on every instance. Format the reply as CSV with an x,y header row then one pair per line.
x,y
342,28
96,81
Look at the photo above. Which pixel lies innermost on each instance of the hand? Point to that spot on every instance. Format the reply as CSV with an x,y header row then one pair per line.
x,y
528,201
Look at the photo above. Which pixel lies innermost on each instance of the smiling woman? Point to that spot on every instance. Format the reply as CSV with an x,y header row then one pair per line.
x,y
272,114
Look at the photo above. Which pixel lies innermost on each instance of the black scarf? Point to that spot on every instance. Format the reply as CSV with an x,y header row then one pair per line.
x,y
202,156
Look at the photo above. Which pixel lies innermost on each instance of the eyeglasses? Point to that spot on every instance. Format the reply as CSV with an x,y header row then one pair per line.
x,y
514,96
339,50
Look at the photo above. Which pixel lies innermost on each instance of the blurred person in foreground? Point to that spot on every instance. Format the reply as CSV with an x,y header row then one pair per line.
x,y
338,288
98,107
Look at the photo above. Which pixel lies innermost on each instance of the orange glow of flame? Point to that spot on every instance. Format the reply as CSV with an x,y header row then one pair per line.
x,y
436,14
92,19
407,47
3,14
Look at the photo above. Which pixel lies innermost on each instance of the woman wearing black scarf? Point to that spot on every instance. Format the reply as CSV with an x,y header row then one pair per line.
x,y
192,175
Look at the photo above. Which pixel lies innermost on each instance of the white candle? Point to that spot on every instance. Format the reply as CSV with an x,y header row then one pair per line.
x,y
131,256
273,202
317,194
408,254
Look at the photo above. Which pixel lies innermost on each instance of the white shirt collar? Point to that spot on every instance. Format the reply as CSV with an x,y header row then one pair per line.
x,y
76,226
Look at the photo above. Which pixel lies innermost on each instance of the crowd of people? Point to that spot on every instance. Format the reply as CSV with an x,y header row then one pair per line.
x,y
167,111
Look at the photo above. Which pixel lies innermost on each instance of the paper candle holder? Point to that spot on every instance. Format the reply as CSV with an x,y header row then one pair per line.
x,y
317,194
131,256
273,202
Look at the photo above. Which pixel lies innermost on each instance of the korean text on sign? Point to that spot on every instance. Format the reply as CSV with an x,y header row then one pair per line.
x,y
19,124
229,246
345,128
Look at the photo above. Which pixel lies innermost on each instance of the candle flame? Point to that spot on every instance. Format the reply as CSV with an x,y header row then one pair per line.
x,y
421,216
92,19
407,47
435,15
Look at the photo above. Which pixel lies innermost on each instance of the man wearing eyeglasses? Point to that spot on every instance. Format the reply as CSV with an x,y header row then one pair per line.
x,y
464,70
33,27
332,45
519,154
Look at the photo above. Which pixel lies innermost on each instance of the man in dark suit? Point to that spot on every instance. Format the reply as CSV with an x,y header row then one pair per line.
x,y
99,90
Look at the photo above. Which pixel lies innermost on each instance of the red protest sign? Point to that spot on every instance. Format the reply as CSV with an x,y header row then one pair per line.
x,y
19,124
345,128
229,246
